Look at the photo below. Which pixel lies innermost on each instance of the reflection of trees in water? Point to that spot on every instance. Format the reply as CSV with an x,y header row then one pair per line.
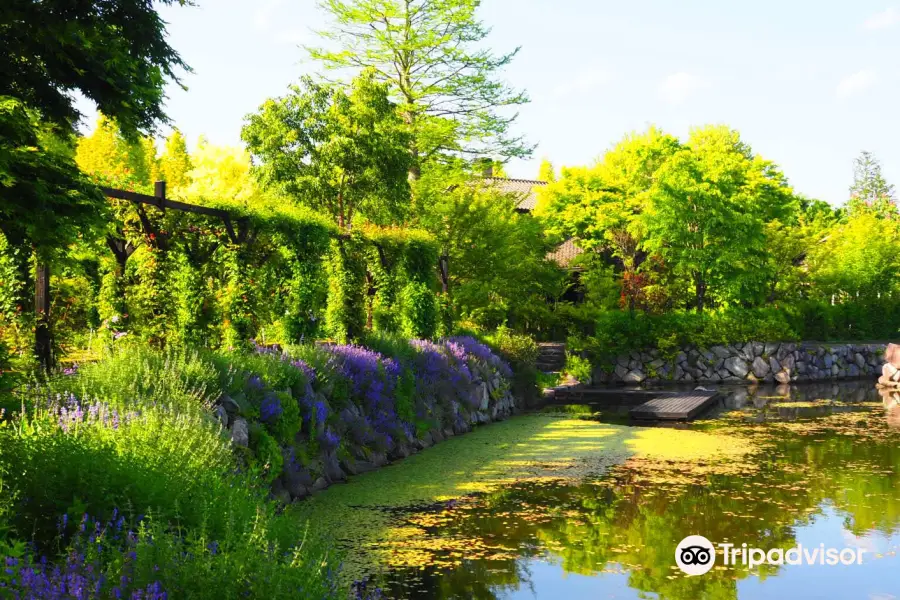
x,y
629,521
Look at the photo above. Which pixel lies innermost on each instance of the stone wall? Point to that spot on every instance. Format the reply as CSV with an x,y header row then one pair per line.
x,y
751,362
493,399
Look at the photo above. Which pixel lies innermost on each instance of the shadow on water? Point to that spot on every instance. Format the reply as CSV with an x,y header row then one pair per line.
x,y
826,470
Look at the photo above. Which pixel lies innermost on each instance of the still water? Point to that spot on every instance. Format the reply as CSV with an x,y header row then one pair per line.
x,y
824,471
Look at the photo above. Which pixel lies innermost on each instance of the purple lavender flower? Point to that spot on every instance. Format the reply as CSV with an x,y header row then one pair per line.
x,y
271,408
329,440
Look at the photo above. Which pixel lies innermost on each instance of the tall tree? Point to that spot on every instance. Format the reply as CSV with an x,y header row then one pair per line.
x,y
175,163
708,210
220,173
494,257
431,53
341,151
600,204
870,191
108,156
857,259
546,172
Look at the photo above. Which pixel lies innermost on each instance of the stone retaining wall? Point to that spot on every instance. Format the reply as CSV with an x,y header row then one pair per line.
x,y
296,480
751,362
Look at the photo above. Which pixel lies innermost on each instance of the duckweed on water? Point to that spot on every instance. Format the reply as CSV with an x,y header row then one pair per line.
x,y
372,517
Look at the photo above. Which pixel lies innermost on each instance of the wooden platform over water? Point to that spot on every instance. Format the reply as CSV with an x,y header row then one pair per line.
x,y
681,407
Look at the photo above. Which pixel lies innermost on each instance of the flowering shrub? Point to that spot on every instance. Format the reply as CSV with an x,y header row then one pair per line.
x,y
146,440
146,561
480,352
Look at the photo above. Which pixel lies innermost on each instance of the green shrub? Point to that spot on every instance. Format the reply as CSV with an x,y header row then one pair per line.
x,y
419,311
577,367
156,561
519,349
177,465
619,332
267,452
135,375
345,316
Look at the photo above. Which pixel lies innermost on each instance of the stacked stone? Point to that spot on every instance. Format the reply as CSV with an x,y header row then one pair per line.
x,y
497,402
751,362
890,370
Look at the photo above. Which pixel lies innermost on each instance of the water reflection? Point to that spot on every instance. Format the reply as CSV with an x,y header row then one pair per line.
x,y
826,472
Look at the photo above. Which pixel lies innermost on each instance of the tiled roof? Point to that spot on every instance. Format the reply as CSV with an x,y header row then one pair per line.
x,y
524,188
565,253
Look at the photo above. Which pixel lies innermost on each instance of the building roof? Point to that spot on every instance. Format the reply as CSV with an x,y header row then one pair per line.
x,y
565,253
523,188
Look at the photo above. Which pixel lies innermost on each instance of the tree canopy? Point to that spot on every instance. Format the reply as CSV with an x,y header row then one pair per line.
x,y
113,52
430,53
341,151
870,190
46,200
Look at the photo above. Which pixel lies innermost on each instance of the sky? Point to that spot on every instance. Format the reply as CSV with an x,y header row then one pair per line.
x,y
809,84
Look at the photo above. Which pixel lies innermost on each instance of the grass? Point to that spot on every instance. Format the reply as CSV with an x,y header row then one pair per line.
x,y
130,440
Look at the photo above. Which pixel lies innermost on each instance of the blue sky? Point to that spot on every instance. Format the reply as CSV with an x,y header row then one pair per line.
x,y
807,83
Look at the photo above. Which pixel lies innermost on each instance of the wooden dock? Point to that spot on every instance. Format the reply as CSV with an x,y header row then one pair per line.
x,y
675,408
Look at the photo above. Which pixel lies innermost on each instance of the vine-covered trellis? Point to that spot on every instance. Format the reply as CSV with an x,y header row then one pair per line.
x,y
221,274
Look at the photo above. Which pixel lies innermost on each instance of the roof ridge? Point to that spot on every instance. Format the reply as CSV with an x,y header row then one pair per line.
x,y
518,179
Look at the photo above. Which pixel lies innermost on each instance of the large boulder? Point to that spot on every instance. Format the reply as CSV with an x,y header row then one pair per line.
x,y
721,351
240,433
760,367
634,376
737,366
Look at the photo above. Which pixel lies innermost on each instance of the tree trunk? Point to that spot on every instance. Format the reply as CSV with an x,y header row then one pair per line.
x,y
444,267
700,287
43,347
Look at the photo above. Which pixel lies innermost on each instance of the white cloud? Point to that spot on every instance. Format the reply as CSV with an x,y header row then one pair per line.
x,y
678,87
856,83
883,20
584,82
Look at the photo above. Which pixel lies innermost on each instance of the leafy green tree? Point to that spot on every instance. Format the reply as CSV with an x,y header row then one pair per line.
x,y
114,52
175,164
431,53
600,204
220,173
340,151
45,201
495,257
546,172
857,259
113,159
870,191
707,214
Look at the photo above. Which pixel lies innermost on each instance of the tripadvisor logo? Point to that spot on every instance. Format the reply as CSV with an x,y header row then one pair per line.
x,y
696,555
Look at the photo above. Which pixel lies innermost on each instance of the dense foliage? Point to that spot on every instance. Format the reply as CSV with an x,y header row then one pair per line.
x,y
446,82
117,479
707,225
344,153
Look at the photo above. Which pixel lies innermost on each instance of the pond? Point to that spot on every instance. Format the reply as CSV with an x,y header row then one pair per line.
x,y
574,504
